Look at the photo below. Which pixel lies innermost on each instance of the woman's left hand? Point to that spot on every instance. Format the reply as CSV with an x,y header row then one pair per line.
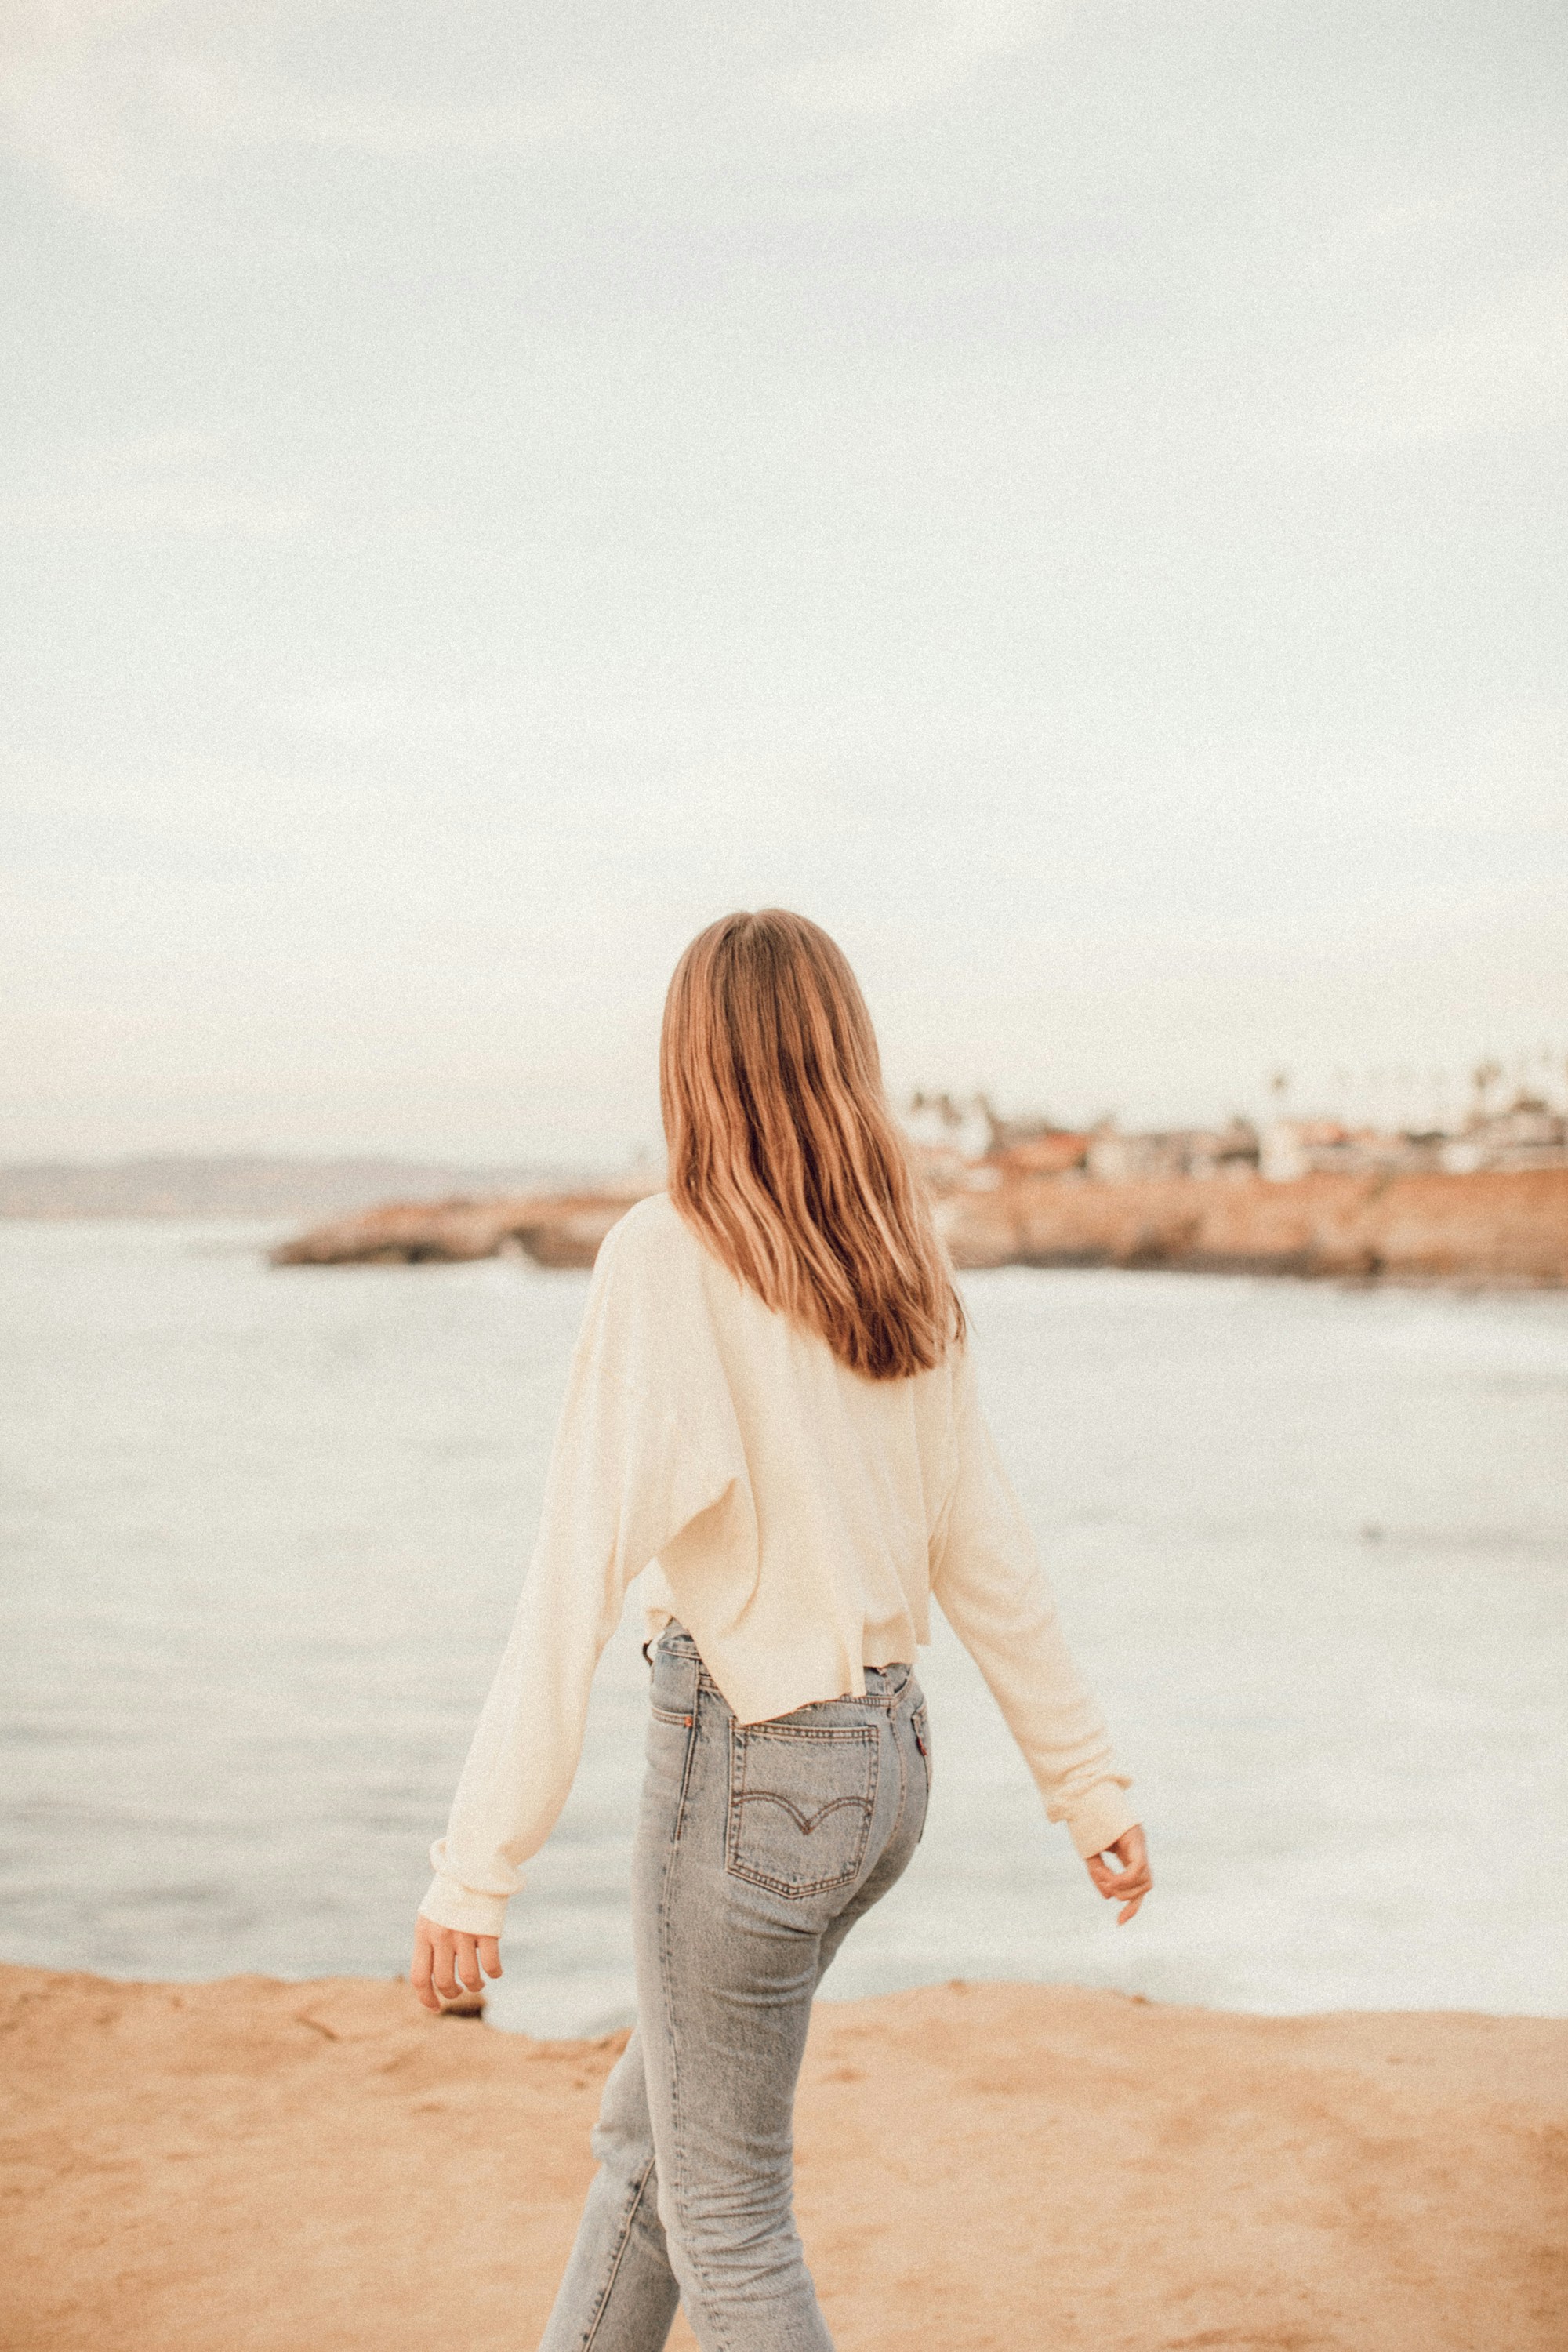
x,y
446,1963
1131,1882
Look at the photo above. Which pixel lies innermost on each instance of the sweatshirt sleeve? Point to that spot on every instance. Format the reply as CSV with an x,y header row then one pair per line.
x,y
991,1587
639,1453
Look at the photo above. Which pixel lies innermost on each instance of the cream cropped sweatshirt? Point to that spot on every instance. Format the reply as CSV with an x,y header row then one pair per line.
x,y
796,1517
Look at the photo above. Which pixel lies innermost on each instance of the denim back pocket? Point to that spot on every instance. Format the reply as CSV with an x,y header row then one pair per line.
x,y
800,1803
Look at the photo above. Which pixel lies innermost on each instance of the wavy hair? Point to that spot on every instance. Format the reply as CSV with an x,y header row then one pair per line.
x,y
784,1156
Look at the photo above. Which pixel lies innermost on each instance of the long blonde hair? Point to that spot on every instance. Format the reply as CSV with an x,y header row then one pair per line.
x,y
784,1157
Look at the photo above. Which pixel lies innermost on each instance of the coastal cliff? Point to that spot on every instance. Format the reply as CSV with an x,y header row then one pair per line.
x,y
1497,1225
558,1229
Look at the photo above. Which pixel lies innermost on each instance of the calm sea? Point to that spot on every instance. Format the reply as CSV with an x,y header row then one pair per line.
x,y
263,1531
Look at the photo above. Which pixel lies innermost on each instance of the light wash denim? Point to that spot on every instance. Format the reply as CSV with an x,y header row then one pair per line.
x,y
758,1847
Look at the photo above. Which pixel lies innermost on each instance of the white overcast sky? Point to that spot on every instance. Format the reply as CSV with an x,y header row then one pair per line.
x,y
1071,496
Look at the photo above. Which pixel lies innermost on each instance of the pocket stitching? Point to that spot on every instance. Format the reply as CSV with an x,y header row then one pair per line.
x,y
868,1737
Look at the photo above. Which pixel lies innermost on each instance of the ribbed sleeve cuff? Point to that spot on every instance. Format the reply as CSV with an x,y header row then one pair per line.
x,y
1099,1817
448,1905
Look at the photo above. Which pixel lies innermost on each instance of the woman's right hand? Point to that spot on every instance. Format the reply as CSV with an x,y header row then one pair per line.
x,y
446,1963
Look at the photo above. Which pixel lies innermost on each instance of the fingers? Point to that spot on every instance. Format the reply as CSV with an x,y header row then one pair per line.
x,y
478,1956
1132,1848
1129,1882
444,1976
430,1971
1132,1886
447,1964
1121,1883
422,1964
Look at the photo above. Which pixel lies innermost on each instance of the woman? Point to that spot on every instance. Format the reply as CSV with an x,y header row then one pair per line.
x,y
771,1416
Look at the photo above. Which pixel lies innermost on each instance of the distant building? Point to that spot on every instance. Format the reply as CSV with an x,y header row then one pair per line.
x,y
963,1145
966,1143
948,1128
1054,1152
1294,1148
1231,1151
1528,1135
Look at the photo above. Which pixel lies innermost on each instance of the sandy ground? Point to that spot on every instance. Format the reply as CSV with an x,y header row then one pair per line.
x,y
258,2166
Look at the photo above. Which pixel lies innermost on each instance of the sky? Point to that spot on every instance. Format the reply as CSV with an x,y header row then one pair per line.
x,y
1071,497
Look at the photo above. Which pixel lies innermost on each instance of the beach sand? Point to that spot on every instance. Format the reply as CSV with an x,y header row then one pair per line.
x,y
260,2167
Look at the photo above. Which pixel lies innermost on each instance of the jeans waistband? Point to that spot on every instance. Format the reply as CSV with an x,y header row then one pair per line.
x,y
884,1685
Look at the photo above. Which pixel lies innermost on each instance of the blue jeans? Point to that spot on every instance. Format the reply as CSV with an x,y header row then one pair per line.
x,y
758,1847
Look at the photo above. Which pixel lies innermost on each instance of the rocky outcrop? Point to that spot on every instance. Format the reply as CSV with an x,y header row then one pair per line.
x,y
1496,1226
561,1229
1492,1226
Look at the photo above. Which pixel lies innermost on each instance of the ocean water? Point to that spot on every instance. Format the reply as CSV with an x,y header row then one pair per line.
x,y
262,1531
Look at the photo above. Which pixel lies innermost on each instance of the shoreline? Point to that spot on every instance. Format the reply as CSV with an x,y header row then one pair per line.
x,y
1507,1229
254,2165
